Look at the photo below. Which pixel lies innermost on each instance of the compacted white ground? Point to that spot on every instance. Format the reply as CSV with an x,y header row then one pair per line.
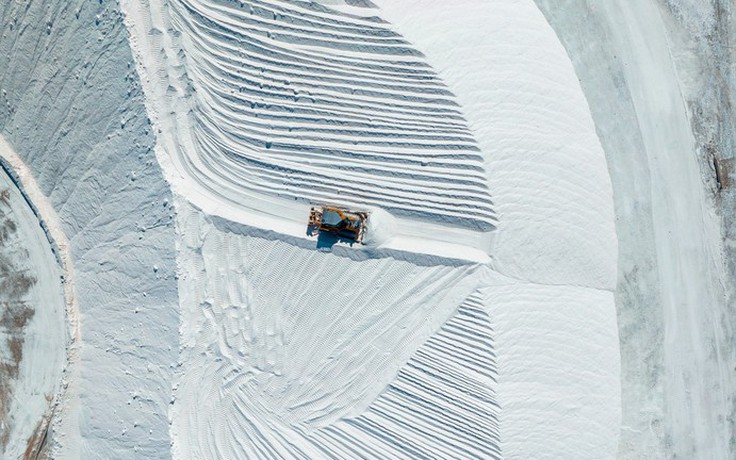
x,y
653,79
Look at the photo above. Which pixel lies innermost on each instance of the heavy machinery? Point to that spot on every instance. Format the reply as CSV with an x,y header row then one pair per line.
x,y
339,222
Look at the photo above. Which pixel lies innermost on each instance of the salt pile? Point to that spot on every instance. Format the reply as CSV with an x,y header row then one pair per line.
x,y
544,272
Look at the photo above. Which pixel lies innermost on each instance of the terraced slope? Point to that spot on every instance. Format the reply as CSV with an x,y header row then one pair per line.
x,y
71,108
301,101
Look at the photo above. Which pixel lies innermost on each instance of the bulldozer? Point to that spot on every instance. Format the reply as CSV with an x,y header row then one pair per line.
x,y
339,222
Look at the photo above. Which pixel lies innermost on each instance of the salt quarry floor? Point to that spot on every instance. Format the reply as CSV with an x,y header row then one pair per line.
x,y
549,262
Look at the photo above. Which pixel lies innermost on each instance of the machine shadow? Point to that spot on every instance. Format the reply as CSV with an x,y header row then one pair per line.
x,y
327,240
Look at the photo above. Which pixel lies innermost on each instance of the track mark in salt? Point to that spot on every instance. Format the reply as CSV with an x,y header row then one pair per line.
x,y
264,107
442,404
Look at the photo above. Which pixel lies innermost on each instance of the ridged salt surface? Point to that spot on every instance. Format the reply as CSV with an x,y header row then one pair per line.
x,y
292,351
318,355
441,405
302,102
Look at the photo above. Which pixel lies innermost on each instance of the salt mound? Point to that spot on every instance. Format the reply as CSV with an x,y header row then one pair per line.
x,y
295,100
381,227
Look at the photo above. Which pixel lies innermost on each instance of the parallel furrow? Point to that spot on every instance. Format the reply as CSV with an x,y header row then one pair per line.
x,y
442,404
302,101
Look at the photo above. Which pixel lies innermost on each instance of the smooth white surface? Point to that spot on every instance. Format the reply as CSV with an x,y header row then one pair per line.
x,y
557,338
545,165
